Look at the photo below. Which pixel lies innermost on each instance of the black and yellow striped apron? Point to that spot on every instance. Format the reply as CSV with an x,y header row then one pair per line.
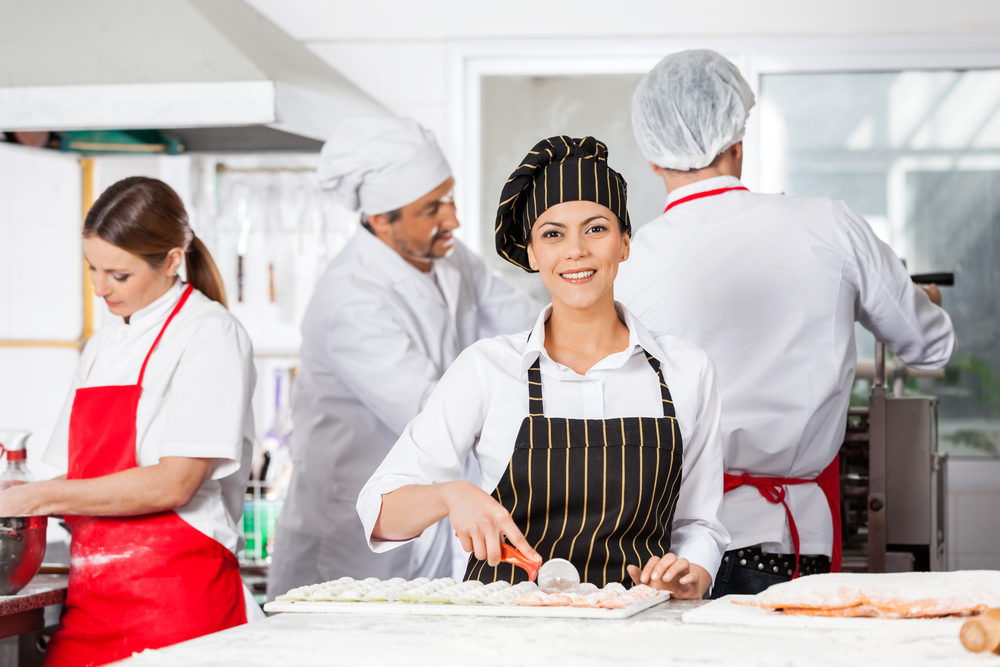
x,y
600,493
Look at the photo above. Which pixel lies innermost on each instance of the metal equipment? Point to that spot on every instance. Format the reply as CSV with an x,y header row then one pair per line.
x,y
893,479
22,547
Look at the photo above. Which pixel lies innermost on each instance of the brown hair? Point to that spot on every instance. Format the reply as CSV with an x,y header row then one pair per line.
x,y
145,217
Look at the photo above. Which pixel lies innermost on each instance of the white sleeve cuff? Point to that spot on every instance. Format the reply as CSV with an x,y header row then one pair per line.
x,y
227,461
700,550
370,505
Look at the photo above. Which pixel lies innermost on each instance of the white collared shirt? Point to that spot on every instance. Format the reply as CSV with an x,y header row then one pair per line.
x,y
479,404
770,287
195,399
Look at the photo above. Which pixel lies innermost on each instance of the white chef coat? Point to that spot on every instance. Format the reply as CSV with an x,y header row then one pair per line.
x,y
770,286
479,404
376,337
195,399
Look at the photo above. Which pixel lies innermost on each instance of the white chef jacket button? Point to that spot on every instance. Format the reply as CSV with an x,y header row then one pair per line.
x,y
593,385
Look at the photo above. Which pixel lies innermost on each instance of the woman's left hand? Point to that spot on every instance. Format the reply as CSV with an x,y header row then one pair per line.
x,y
683,579
18,500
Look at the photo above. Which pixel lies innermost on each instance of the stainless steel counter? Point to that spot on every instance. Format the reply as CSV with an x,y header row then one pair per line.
x,y
654,637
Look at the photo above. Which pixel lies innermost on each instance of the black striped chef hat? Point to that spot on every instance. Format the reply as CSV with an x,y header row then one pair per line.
x,y
556,170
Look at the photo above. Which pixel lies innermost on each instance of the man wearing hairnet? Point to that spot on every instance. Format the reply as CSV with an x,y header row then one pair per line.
x,y
390,314
770,286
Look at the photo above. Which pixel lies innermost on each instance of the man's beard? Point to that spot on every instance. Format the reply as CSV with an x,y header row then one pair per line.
x,y
426,252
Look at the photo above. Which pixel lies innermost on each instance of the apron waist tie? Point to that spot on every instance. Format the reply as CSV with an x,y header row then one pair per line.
x,y
773,490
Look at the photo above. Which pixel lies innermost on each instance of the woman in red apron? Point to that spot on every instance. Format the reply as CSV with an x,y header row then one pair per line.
x,y
146,568
598,441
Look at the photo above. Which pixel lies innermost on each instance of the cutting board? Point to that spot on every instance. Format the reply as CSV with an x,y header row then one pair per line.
x,y
725,612
427,609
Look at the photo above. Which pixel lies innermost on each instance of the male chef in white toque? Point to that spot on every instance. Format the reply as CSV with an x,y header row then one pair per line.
x,y
389,315
770,286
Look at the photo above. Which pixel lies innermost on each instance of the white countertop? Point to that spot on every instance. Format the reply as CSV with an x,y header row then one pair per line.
x,y
654,637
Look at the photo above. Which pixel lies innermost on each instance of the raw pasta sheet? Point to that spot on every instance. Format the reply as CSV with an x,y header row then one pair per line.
x,y
897,595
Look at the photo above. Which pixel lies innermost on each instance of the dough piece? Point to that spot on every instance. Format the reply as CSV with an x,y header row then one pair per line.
x,y
353,593
642,591
614,587
417,594
558,600
508,595
297,594
448,594
479,595
618,601
612,596
590,600
533,599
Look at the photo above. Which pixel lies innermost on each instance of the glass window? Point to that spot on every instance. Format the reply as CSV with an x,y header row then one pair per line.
x,y
917,153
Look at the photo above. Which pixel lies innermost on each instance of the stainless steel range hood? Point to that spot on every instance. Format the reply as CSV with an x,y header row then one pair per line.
x,y
214,73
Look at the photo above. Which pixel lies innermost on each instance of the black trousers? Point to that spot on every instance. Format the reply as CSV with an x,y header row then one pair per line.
x,y
739,573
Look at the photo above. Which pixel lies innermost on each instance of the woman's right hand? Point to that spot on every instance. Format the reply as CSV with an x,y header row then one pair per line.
x,y
481,523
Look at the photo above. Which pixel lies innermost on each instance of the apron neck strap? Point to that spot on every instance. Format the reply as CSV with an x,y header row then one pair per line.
x,y
668,400
701,195
535,406
177,308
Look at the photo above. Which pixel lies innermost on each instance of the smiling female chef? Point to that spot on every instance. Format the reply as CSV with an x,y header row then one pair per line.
x,y
597,440
156,436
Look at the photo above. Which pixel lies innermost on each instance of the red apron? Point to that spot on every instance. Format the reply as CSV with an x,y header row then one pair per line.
x,y
773,489
135,582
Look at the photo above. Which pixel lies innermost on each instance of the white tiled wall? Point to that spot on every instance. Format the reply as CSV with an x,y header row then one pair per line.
x,y
33,388
974,514
41,270
41,275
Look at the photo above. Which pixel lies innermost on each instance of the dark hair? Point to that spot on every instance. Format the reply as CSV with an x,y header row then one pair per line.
x,y
391,216
145,217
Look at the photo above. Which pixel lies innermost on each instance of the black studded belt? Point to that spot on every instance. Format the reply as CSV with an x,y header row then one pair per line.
x,y
756,559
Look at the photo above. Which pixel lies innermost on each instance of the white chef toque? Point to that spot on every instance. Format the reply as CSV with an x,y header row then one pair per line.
x,y
689,108
379,164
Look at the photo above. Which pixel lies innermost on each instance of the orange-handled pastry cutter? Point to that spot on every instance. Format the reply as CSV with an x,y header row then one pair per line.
x,y
556,574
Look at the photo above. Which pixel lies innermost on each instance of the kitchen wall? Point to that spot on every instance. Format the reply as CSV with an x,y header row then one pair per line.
x,y
399,51
973,516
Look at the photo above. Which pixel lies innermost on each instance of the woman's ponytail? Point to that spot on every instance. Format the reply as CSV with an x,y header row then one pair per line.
x,y
203,273
145,217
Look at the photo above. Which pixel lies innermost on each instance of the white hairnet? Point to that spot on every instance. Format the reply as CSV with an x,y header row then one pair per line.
x,y
380,164
689,108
